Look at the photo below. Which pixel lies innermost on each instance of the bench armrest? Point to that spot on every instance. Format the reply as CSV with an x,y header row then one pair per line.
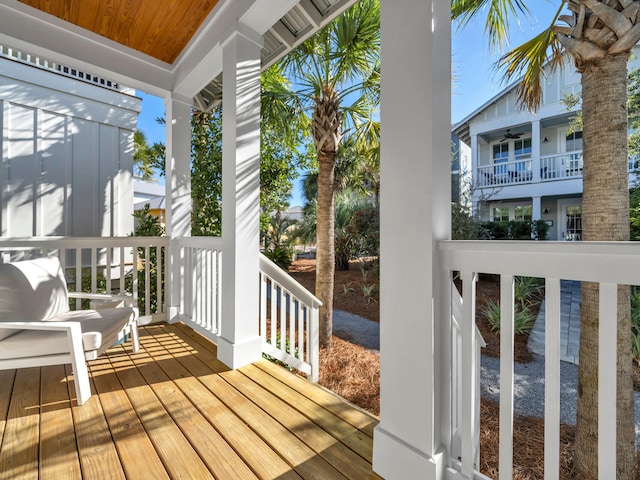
x,y
97,298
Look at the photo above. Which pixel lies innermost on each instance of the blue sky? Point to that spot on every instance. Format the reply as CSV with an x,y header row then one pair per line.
x,y
475,81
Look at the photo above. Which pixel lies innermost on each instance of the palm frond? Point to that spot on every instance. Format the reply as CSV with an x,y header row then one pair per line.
x,y
527,61
499,15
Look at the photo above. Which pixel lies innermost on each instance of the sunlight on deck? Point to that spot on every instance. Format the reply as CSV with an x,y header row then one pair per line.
x,y
173,411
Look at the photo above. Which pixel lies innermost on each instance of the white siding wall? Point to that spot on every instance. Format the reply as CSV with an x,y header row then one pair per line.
x,y
67,155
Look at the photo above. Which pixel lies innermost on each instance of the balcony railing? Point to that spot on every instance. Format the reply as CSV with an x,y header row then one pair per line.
x,y
608,264
562,166
506,173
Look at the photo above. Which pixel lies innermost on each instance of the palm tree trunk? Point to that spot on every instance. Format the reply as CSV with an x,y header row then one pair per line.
x,y
325,245
605,210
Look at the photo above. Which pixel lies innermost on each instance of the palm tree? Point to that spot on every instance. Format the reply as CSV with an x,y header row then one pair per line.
x,y
145,156
598,36
337,73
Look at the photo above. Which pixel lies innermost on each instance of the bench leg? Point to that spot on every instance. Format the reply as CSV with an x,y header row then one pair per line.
x,y
134,336
79,366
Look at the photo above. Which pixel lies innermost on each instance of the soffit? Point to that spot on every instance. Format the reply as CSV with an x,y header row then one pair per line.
x,y
160,29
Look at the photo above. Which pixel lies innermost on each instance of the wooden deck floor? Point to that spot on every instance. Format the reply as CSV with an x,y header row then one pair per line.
x,y
173,411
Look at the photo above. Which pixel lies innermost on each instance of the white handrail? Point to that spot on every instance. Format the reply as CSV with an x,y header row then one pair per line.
x,y
606,263
289,321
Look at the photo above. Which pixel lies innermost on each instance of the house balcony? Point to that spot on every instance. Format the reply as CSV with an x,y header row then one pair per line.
x,y
549,168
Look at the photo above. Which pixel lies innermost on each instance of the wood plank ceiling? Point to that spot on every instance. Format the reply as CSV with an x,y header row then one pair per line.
x,y
160,29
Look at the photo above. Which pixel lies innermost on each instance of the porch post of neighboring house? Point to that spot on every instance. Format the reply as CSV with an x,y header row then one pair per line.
x,y
414,433
536,208
178,191
239,342
475,174
535,154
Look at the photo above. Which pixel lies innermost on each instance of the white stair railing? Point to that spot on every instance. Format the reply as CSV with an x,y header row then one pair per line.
x,y
288,320
457,309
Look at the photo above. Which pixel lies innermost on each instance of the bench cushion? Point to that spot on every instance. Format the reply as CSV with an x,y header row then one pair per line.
x,y
97,326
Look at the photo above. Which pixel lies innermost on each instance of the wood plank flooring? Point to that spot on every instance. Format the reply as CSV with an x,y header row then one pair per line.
x,y
173,411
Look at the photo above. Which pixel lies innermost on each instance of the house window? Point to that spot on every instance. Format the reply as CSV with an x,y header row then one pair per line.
x,y
523,213
522,148
574,141
501,214
501,152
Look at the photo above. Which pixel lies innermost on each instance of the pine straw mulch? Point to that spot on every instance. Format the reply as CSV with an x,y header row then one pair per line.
x,y
353,372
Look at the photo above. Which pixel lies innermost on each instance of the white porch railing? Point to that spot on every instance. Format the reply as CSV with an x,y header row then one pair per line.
x,y
608,264
139,266
288,320
506,173
457,316
199,282
98,265
561,166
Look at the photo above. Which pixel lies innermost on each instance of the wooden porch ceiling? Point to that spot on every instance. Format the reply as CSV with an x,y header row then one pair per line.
x,y
159,29
173,411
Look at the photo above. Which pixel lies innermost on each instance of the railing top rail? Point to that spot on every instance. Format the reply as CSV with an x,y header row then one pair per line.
x,y
200,242
561,154
80,242
611,262
287,282
526,158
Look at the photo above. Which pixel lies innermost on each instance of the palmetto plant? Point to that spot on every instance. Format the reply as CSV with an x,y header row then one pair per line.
x,y
337,73
597,35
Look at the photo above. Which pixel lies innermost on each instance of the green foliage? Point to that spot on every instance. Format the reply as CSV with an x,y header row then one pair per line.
x,y
287,346
147,159
85,286
148,226
463,225
280,255
523,318
513,230
206,172
527,288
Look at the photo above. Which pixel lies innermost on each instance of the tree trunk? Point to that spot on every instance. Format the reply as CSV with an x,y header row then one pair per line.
x,y
605,212
325,245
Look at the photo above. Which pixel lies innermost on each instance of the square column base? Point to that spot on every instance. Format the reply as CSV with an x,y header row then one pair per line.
x,y
236,355
394,458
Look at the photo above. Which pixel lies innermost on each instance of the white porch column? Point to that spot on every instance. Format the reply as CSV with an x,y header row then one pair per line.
x,y
178,189
239,343
536,208
475,174
535,151
410,441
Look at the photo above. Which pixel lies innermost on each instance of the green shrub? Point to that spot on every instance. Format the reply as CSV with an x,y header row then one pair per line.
x,y
523,318
525,288
280,255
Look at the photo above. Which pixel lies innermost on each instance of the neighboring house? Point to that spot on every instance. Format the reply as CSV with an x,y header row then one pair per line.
x,y
67,150
153,194
528,166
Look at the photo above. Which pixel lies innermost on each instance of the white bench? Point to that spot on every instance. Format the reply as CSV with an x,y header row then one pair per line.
x,y
38,329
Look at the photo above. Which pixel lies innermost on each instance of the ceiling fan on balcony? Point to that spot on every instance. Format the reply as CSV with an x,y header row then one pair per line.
x,y
510,136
